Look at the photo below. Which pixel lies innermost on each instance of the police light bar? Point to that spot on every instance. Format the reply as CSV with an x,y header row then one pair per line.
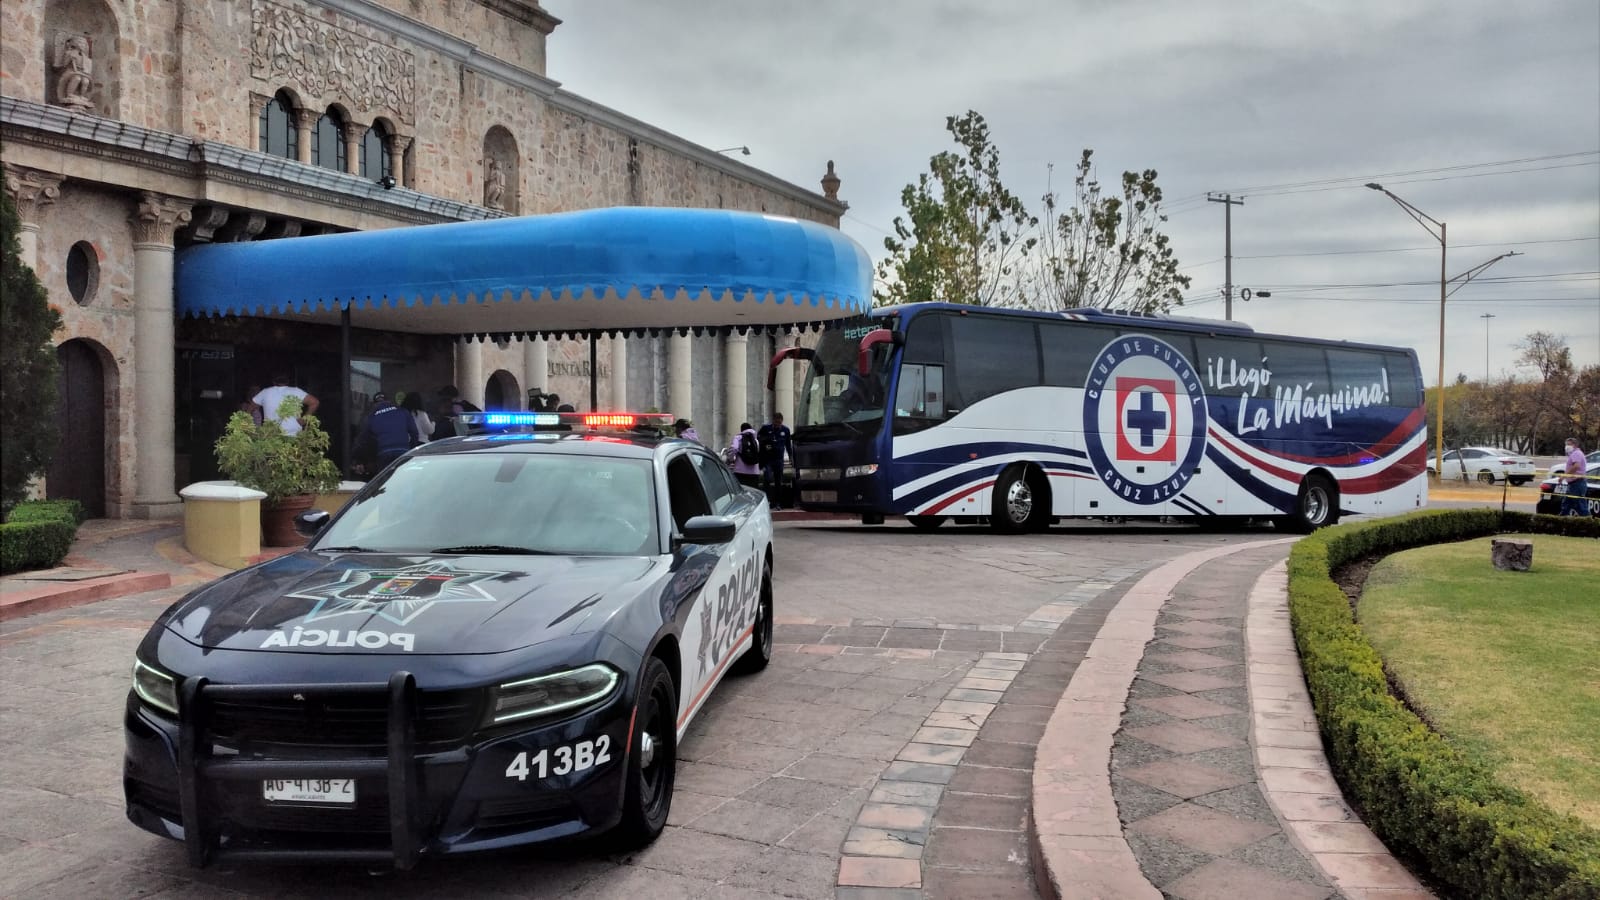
x,y
477,422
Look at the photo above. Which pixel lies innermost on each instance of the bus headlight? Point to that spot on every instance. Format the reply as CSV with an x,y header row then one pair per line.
x,y
858,471
547,694
155,687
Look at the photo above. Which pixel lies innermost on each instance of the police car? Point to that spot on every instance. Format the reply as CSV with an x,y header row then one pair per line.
x,y
499,641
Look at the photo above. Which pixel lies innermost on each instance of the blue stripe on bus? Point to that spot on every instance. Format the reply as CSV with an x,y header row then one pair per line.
x,y
956,454
1189,504
953,483
1260,490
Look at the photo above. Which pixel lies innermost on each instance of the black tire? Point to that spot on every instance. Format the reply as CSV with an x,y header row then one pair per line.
x,y
647,797
760,653
1019,503
1317,506
925,523
871,519
1519,482
1486,477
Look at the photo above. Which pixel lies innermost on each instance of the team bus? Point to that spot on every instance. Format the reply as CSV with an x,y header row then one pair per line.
x,y
937,411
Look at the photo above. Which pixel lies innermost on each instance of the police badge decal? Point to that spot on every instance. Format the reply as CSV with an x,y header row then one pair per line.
x,y
1145,399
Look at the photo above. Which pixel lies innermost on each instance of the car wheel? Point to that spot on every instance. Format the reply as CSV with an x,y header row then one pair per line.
x,y
652,761
1519,482
1486,477
760,653
925,523
1018,503
1317,506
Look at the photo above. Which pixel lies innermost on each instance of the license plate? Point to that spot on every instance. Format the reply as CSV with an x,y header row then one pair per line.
x,y
819,496
331,791
1560,489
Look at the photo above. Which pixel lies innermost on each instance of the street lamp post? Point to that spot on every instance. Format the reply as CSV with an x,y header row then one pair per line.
x,y
1424,219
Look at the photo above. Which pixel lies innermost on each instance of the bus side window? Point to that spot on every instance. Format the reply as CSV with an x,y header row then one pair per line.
x,y
920,393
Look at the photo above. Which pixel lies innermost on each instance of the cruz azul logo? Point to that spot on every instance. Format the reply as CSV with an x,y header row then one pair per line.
x,y
1144,400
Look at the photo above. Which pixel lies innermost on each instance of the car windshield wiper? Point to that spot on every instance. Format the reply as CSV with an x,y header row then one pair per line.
x,y
491,548
350,549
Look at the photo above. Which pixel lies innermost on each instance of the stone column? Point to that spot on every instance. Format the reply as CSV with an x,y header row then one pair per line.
x,y
783,382
469,370
680,379
734,351
304,121
619,373
154,220
352,148
536,364
30,190
397,168
258,102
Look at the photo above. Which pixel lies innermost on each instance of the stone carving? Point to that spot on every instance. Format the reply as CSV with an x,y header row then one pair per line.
x,y
31,189
1511,555
494,184
328,62
75,71
156,218
830,183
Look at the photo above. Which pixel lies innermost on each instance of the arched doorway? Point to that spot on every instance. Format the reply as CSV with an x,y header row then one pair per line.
x,y
501,392
78,469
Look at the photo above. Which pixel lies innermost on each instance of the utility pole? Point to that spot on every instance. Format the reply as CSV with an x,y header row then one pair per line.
x,y
1486,317
1228,203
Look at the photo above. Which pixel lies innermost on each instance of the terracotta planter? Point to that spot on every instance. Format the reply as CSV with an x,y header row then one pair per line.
x,y
277,521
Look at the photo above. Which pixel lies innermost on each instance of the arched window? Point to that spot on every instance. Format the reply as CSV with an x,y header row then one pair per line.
x,y
277,131
327,142
375,163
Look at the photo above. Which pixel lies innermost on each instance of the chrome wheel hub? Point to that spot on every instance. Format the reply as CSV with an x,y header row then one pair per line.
x,y
647,750
1019,502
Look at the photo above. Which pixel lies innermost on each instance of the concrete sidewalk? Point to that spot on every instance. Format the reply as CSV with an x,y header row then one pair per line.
x,y
1184,759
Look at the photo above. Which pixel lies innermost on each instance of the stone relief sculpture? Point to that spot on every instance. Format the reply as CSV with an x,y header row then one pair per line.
x,y
326,62
75,68
494,184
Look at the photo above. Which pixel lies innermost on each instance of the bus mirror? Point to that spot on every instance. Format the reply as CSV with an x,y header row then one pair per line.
x,y
786,354
873,338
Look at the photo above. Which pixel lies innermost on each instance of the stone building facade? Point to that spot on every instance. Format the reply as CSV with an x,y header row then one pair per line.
x,y
130,130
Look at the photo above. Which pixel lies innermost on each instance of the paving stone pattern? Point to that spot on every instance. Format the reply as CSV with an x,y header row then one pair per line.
x,y
1182,771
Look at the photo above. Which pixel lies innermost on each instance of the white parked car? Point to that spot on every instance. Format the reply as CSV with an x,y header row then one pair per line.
x,y
1486,464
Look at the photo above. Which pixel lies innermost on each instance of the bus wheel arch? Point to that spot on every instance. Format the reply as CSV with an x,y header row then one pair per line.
x,y
1021,499
1317,503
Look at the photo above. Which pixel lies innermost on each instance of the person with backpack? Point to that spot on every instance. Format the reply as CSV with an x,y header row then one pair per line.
x,y
774,439
451,404
744,454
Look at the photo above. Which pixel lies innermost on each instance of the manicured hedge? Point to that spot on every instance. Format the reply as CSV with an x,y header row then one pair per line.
x,y
1427,801
38,534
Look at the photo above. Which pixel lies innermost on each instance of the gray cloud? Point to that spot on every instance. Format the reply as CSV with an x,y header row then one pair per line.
x,y
1215,96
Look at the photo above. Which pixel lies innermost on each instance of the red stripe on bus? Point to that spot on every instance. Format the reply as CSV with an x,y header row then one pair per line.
x,y
954,497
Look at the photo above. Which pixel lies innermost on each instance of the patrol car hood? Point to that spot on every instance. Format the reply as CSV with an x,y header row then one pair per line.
x,y
386,603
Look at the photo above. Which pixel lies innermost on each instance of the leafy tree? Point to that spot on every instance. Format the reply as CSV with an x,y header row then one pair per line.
x,y
27,366
964,235
1107,251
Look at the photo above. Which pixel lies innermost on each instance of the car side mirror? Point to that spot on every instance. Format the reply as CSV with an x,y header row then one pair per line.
x,y
310,522
709,530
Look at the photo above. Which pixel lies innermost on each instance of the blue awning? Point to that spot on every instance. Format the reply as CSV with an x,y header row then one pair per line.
x,y
626,268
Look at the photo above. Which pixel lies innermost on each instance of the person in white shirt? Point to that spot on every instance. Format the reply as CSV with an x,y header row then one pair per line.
x,y
271,398
413,404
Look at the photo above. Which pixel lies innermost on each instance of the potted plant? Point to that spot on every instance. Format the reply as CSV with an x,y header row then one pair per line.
x,y
291,469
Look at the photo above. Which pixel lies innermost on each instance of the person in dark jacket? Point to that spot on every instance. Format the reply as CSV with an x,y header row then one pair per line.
x,y
389,430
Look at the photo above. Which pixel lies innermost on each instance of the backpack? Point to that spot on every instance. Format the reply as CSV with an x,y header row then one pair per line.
x,y
769,443
749,450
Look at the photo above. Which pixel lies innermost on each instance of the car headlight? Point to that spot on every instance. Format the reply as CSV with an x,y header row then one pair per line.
x,y
549,694
155,687
856,471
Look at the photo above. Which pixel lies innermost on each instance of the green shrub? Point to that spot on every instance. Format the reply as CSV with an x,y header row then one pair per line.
x,y
48,511
1424,798
34,545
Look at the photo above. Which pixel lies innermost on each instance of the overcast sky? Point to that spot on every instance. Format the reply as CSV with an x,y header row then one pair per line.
x,y
1494,107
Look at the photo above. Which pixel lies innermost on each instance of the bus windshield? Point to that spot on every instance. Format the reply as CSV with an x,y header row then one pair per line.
x,y
834,391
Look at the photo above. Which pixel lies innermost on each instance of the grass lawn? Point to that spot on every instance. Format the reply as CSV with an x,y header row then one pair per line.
x,y
1506,665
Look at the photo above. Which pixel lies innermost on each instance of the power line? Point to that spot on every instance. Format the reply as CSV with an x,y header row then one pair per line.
x,y
1455,168
1351,184
1434,248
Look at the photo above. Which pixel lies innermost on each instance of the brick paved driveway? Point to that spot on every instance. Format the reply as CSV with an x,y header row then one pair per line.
x,y
878,629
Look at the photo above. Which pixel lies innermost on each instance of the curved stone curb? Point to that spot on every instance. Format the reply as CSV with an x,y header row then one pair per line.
x,y
1076,835
1294,772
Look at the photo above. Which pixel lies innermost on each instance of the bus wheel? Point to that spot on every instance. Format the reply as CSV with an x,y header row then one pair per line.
x,y
1018,503
1316,507
872,518
925,523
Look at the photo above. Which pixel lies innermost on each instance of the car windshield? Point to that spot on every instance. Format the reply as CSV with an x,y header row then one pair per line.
x,y
487,502
834,391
